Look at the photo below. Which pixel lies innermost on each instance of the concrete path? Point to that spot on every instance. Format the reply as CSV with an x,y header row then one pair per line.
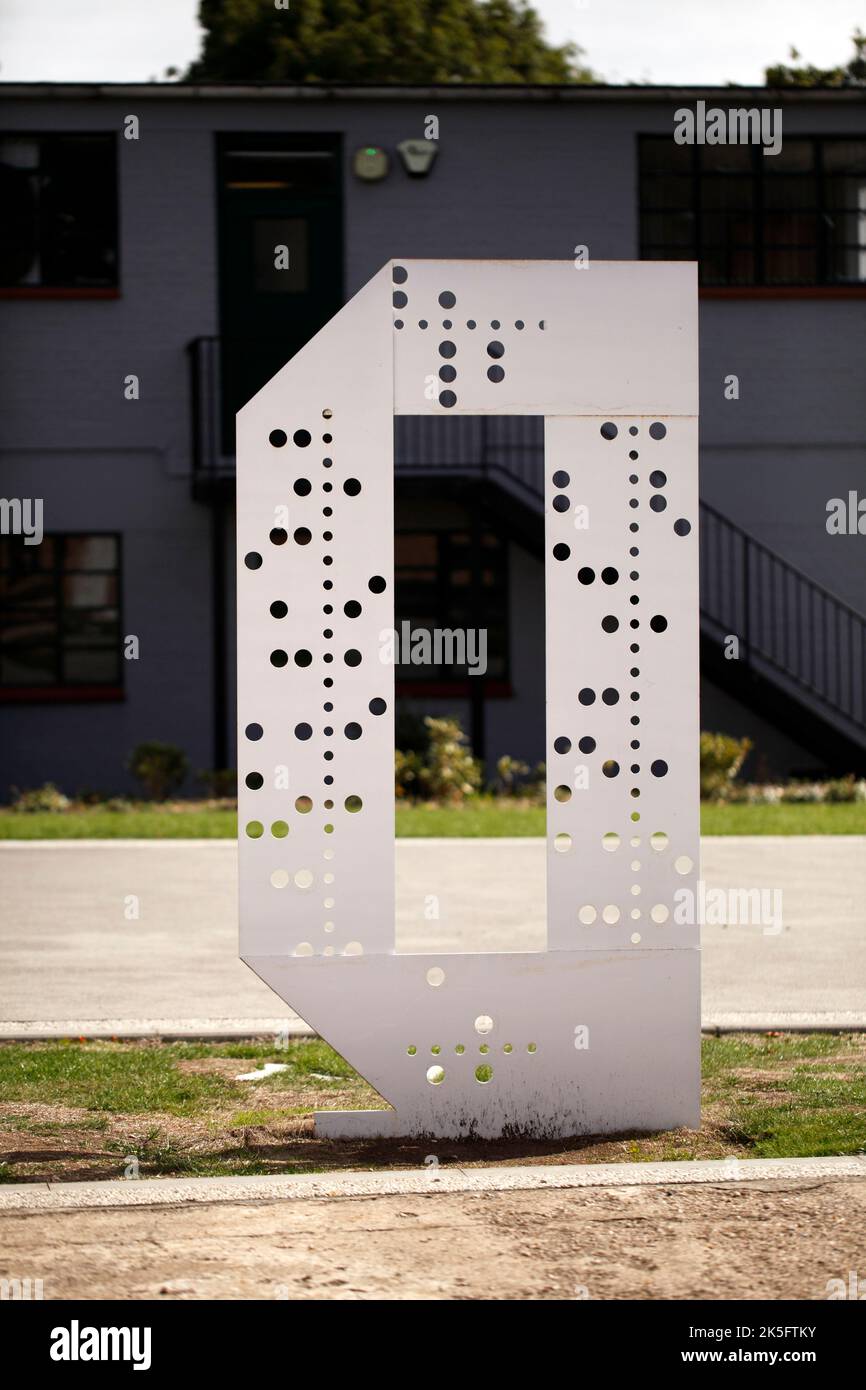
x,y
438,1178
621,1233
71,956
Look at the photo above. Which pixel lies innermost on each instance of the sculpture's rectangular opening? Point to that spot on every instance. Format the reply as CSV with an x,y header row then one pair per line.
x,y
468,651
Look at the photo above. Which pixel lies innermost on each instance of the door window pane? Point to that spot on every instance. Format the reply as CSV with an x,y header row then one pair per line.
x,y
280,251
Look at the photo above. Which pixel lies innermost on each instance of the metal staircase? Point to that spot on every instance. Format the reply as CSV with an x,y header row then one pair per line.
x,y
802,651
801,657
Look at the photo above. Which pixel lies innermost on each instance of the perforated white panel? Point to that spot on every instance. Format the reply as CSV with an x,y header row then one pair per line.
x,y
319,594
601,1031
542,338
621,502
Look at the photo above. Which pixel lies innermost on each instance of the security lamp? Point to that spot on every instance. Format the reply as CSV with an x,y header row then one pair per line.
x,y
418,156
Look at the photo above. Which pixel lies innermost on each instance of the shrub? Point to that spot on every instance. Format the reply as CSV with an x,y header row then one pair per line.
x,y
756,794
510,774
450,773
443,769
159,767
803,793
91,796
407,769
516,778
221,784
44,798
843,789
721,760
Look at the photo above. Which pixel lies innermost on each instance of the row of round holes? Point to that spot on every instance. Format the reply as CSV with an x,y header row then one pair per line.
x,y
611,841
483,1074
610,914
460,1049
611,768
303,805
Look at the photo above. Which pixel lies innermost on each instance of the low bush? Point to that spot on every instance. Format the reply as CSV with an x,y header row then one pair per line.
x,y
721,759
221,784
44,798
516,778
161,768
442,770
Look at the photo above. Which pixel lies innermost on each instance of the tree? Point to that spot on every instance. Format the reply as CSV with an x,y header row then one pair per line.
x,y
853,74
358,41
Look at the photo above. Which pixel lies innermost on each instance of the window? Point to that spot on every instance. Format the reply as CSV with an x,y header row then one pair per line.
x,y
442,581
59,199
795,218
60,614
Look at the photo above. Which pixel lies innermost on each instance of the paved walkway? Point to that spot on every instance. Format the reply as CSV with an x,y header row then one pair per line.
x,y
70,954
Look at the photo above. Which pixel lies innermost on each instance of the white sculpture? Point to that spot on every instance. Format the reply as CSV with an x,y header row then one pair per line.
x,y
600,1032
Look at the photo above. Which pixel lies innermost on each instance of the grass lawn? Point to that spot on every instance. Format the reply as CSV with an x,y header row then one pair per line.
x,y
77,1110
481,816
191,822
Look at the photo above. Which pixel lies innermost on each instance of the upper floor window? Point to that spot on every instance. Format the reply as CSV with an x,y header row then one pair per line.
x,y
795,218
59,199
60,614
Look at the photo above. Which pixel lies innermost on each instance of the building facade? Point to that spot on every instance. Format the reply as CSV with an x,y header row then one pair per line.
x,y
142,303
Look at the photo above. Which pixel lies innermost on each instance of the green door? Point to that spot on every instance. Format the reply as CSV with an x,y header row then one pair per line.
x,y
280,255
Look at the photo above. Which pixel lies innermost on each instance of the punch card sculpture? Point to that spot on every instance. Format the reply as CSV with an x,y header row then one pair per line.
x,y
599,1032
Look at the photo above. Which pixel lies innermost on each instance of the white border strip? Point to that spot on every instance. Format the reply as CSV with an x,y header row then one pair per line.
x,y
235,1029
420,1182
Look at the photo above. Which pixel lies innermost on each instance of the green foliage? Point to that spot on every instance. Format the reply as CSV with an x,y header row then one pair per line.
x,y
451,773
851,74
221,784
380,41
44,798
510,772
159,767
721,759
725,818
443,770
91,796
516,778
802,794
407,774
843,789
105,1076
180,1109
789,1096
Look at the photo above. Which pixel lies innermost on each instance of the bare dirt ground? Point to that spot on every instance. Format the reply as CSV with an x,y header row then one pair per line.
x,y
780,1240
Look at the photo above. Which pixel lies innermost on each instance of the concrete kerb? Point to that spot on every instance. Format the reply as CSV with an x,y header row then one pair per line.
x,y
28,1197
161,1029
252,1029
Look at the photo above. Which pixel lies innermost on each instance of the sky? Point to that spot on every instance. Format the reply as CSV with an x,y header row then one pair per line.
x,y
663,41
